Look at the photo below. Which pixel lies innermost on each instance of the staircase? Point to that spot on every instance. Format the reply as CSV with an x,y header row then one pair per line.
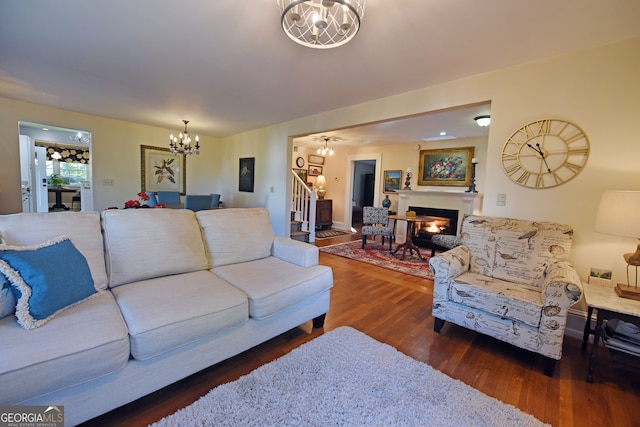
x,y
296,229
303,210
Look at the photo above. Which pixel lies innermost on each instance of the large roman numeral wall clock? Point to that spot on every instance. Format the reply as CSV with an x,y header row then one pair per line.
x,y
545,153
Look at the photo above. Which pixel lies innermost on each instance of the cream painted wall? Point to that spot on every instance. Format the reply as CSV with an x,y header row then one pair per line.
x,y
597,89
115,154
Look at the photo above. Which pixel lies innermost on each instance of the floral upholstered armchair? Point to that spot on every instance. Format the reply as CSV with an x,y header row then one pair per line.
x,y
508,279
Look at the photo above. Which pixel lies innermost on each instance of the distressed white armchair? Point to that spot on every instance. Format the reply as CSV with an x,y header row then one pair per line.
x,y
508,279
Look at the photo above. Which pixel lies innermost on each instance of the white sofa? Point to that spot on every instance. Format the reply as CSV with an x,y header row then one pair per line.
x,y
509,279
179,291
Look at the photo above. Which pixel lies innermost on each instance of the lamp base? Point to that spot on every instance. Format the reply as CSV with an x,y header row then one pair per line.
x,y
625,291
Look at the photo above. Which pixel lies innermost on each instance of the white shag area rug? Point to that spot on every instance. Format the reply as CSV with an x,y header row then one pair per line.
x,y
345,378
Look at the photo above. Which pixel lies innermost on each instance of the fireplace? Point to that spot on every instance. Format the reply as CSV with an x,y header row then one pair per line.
x,y
441,221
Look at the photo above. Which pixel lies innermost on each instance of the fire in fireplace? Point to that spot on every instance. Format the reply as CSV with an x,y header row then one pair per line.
x,y
441,221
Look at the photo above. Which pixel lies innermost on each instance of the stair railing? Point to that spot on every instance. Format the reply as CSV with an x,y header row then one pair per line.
x,y
303,204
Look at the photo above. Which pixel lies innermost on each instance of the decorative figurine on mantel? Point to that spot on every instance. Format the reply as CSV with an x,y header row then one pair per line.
x,y
472,183
407,181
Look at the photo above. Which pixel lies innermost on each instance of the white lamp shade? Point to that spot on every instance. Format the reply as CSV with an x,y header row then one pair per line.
x,y
321,181
619,214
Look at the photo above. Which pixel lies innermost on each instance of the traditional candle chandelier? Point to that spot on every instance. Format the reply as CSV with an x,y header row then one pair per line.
x,y
321,24
324,150
182,143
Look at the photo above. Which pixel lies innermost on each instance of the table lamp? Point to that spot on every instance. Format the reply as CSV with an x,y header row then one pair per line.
x,y
321,182
619,214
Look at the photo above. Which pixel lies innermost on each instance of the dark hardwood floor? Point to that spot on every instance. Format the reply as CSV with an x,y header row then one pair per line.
x,y
395,308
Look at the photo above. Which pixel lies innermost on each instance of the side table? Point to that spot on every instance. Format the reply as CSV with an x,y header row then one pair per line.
x,y
609,305
408,243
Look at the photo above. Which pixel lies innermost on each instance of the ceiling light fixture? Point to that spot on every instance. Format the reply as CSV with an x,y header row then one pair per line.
x,y
326,149
321,24
184,145
80,138
483,121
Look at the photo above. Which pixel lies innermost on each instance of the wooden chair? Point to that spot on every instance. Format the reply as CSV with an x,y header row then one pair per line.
x,y
375,222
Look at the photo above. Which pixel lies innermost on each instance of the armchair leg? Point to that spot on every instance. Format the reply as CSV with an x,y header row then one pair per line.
x,y
318,322
364,240
437,324
549,366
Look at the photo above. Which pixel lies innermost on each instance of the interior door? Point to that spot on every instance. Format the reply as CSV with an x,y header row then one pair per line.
x,y
26,174
41,187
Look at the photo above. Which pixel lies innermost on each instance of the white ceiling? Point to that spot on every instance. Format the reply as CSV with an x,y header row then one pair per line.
x,y
227,66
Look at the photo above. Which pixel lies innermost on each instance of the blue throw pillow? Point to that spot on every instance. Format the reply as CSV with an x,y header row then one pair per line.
x,y
46,279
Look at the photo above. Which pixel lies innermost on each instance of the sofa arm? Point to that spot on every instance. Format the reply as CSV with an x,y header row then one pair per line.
x,y
450,264
295,252
561,288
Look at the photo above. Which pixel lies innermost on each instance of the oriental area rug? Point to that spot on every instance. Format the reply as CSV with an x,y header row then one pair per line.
x,y
345,378
378,254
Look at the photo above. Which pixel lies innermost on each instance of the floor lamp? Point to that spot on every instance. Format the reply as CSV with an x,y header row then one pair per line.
x,y
619,215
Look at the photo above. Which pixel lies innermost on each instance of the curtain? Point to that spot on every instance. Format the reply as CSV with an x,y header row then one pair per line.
x,y
69,155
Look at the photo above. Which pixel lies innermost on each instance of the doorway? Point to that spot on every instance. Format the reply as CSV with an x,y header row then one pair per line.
x,y
361,188
55,168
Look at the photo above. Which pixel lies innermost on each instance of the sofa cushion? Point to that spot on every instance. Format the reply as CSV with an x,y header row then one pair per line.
x,y
167,312
514,250
85,342
46,279
83,228
236,235
142,244
274,285
7,300
507,300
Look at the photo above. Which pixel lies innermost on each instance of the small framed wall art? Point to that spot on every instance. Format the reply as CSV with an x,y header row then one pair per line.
x,y
302,173
315,170
246,174
316,160
392,180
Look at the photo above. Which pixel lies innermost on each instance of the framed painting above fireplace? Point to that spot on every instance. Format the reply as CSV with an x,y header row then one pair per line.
x,y
446,166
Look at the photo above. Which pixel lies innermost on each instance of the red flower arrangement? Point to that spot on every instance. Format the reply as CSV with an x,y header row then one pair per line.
x,y
135,204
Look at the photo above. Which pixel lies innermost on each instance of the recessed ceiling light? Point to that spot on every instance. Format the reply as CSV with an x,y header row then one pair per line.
x,y
45,129
443,133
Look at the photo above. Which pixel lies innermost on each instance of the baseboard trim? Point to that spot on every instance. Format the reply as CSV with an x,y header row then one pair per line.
x,y
575,323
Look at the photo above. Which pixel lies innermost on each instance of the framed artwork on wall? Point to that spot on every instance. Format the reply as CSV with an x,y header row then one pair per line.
x,y
446,166
160,170
392,180
247,174
317,160
302,173
315,170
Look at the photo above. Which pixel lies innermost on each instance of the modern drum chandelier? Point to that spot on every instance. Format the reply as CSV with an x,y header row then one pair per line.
x,y
321,24
182,143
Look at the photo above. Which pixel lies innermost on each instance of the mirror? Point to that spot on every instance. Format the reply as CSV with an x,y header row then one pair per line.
x,y
55,168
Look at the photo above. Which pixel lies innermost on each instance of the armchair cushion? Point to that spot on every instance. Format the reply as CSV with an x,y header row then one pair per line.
x,y
504,299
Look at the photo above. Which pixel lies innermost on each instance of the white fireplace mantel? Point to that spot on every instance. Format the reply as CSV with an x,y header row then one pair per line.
x,y
464,202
